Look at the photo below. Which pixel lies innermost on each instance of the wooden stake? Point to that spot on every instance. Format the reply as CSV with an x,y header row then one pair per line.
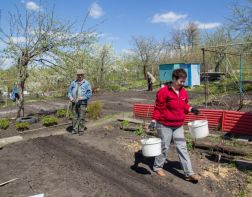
x,y
4,183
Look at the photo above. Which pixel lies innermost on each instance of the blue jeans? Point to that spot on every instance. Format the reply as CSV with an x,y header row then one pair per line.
x,y
166,134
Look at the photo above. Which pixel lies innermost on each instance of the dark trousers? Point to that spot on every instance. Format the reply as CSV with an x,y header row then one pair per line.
x,y
79,114
149,86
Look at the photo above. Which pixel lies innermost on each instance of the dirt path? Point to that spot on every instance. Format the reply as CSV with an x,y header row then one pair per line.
x,y
59,166
113,102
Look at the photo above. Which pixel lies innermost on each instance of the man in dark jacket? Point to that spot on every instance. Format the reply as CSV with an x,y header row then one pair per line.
x,y
168,117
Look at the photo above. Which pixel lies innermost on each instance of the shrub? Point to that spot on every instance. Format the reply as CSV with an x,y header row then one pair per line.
x,y
4,123
114,87
70,115
125,123
140,131
247,87
49,121
21,126
94,110
61,113
189,141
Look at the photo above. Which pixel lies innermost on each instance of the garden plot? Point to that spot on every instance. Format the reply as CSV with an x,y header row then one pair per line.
x,y
107,161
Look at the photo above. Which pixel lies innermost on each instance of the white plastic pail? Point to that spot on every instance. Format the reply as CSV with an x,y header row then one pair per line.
x,y
198,128
151,147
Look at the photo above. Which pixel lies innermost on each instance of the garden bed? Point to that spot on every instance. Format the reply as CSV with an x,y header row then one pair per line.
x,y
12,129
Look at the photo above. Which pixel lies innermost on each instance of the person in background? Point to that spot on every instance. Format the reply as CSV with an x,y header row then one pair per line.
x,y
79,92
150,81
171,105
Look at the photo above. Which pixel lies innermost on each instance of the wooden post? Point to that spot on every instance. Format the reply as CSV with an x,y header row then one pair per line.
x,y
205,77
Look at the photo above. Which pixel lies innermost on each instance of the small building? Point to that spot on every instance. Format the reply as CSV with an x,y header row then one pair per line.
x,y
193,73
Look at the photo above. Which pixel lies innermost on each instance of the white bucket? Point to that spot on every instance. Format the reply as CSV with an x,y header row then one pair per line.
x,y
151,147
198,128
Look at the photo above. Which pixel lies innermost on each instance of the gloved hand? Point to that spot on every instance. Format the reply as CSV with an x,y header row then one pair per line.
x,y
195,111
152,125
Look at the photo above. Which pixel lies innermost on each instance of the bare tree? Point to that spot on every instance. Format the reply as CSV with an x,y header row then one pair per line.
x,y
177,42
37,38
103,60
147,51
185,42
221,36
241,20
192,35
240,23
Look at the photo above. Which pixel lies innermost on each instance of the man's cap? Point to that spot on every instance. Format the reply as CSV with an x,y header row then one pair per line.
x,y
80,72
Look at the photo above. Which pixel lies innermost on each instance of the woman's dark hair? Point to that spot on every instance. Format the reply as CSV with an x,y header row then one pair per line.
x,y
179,73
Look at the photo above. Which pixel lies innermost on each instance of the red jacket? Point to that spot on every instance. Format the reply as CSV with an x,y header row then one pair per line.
x,y
170,108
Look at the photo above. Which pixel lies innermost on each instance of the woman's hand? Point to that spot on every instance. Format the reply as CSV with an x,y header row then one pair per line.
x,y
152,125
195,111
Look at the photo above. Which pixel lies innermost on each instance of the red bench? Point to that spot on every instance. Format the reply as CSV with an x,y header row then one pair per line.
x,y
237,122
143,111
214,117
226,121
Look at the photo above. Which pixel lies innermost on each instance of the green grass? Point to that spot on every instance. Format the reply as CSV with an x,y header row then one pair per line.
x,y
133,84
229,85
232,164
140,131
4,123
196,89
198,101
244,191
61,113
125,123
49,120
94,110
21,126
137,84
189,141
214,139
241,193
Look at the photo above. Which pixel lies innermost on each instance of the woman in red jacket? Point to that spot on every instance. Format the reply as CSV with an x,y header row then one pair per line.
x,y
168,118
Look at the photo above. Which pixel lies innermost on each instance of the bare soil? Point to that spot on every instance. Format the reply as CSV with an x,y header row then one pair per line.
x,y
107,161
12,131
34,107
114,102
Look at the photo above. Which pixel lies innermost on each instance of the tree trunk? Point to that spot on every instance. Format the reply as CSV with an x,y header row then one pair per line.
x,y
102,73
145,72
20,107
217,67
20,102
23,75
